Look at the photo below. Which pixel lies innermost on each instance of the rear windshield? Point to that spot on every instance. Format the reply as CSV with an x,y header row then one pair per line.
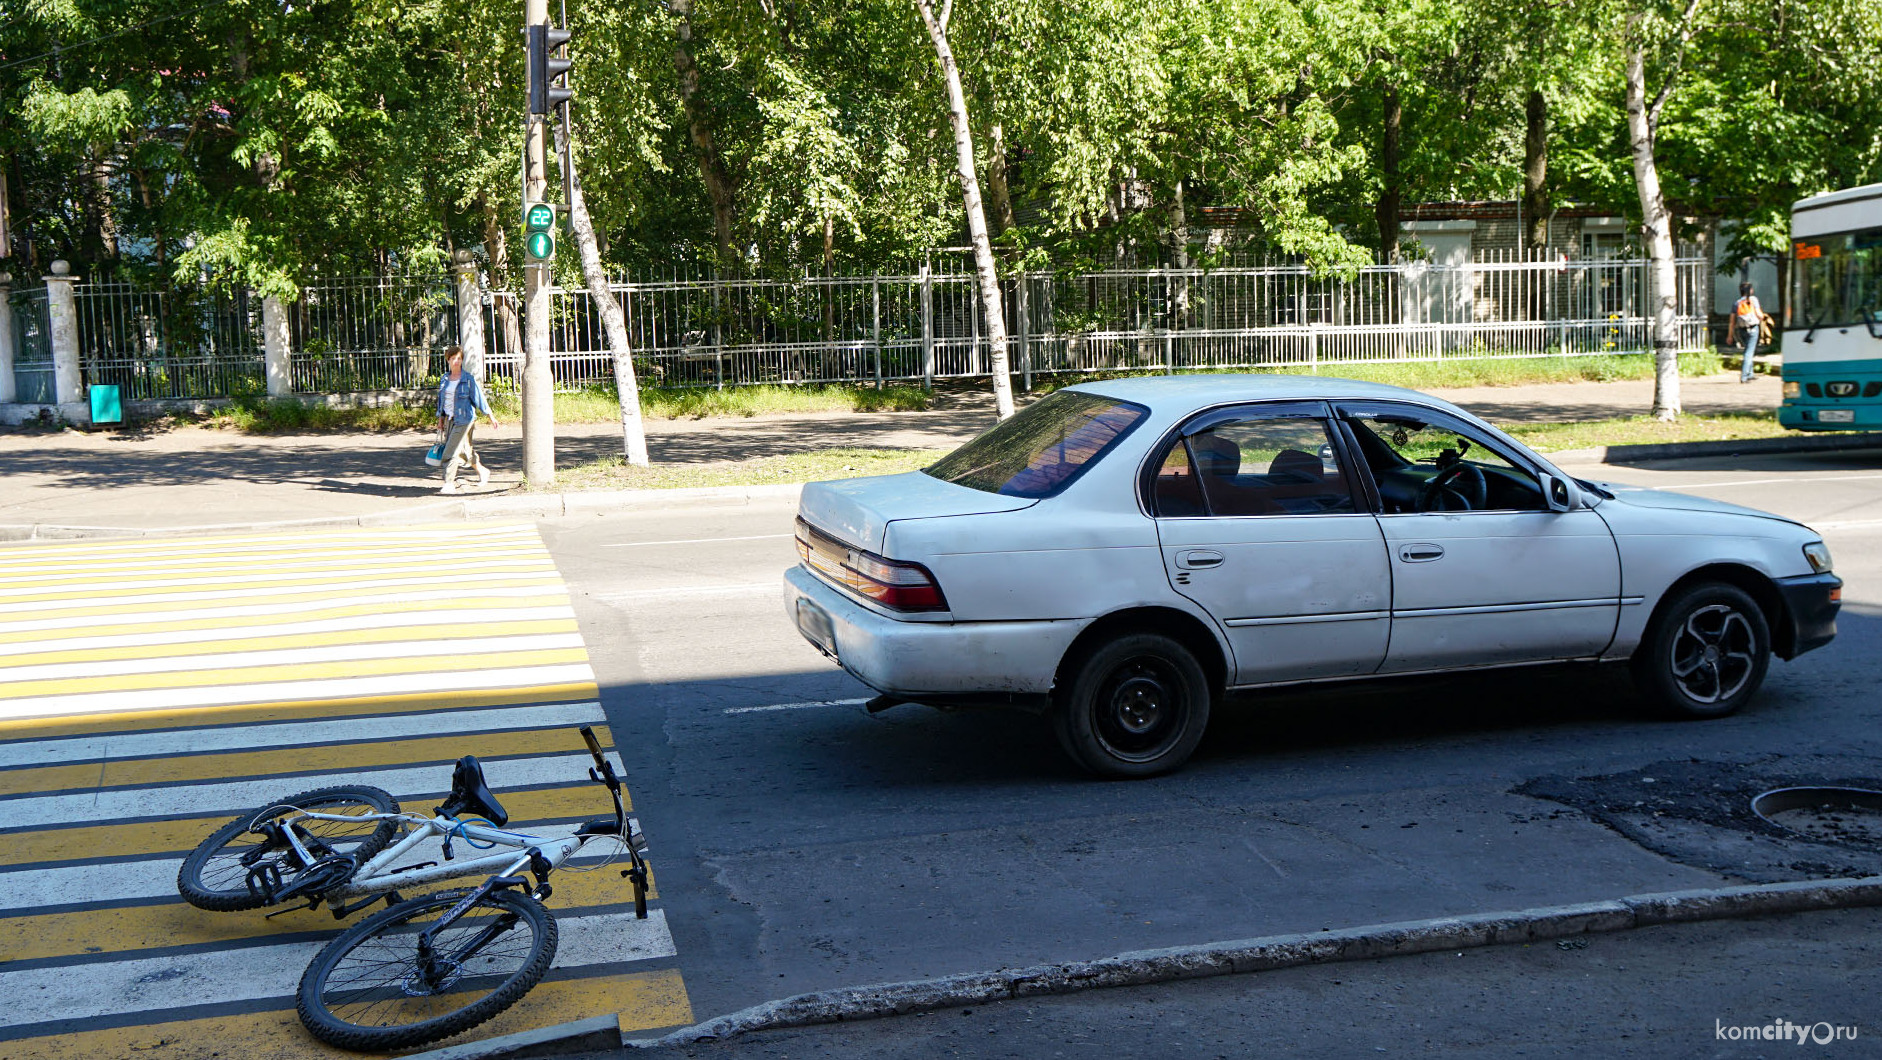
x,y
1040,451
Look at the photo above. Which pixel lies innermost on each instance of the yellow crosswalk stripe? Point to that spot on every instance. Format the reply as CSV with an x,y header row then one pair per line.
x,y
305,672
24,577
174,768
256,548
123,931
283,710
303,596
294,614
283,641
206,586
646,1001
141,838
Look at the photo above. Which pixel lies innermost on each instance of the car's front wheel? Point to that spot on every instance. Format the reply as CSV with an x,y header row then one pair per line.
x,y
1133,706
1706,653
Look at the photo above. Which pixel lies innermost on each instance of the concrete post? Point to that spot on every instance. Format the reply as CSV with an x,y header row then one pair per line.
x,y
275,340
470,313
8,394
62,313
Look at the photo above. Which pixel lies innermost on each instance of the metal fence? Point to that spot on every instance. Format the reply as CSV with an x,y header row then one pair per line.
x,y
370,333
701,331
167,344
377,334
32,347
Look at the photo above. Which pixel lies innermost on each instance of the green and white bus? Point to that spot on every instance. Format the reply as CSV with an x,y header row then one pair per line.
x,y
1833,327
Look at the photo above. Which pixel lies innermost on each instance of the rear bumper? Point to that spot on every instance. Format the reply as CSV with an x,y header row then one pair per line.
x,y
932,660
1811,602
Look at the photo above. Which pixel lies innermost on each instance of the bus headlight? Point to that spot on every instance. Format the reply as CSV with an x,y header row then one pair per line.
x,y
1792,389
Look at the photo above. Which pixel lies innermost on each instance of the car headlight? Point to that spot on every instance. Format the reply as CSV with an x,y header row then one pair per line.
x,y
1792,388
1818,554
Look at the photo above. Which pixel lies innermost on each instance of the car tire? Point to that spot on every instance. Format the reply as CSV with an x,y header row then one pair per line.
x,y
1706,653
1133,706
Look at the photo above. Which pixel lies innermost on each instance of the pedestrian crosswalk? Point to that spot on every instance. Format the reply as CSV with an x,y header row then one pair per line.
x,y
152,689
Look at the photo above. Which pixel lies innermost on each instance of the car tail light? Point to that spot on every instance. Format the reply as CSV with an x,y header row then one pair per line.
x,y
891,583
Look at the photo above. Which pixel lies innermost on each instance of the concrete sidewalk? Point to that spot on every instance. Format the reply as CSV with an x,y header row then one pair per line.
x,y
195,477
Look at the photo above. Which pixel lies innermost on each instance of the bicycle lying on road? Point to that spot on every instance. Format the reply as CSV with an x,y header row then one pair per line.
x,y
425,967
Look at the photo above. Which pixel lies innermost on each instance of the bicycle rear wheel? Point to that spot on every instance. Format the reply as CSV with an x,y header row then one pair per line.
x,y
215,875
373,990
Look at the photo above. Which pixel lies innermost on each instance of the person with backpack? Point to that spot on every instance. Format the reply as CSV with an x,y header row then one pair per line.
x,y
1747,318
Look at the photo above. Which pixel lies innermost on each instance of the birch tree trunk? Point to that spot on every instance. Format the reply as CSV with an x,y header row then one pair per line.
x,y
633,431
1656,229
970,196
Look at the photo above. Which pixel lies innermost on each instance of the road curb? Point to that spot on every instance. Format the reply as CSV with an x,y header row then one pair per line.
x,y
1625,454
1274,952
581,1036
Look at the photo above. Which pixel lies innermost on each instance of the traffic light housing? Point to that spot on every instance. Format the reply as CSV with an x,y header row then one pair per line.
x,y
538,233
548,68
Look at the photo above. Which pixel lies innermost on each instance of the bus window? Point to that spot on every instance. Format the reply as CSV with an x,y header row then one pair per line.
x,y
1839,278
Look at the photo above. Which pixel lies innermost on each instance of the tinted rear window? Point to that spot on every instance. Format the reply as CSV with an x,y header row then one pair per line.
x,y
1041,450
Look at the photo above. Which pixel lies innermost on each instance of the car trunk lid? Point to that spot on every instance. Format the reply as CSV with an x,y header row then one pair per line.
x,y
858,511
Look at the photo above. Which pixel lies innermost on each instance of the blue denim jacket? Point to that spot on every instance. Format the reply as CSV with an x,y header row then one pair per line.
x,y
470,399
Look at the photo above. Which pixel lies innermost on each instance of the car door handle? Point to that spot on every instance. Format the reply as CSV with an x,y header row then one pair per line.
x,y
1198,559
1422,552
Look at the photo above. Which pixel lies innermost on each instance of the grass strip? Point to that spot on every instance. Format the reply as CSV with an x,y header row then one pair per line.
x,y
613,473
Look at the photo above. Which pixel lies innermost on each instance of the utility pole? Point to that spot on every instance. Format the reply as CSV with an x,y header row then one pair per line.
x,y
538,382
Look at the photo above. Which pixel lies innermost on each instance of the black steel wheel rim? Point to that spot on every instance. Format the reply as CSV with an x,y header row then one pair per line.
x,y
1141,709
1714,654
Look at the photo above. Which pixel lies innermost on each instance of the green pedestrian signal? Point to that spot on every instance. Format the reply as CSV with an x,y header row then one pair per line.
x,y
538,237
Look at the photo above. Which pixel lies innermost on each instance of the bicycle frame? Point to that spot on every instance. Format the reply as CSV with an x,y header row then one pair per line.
x,y
377,876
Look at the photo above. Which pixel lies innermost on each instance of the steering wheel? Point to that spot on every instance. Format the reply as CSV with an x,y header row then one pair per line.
x,y
1470,493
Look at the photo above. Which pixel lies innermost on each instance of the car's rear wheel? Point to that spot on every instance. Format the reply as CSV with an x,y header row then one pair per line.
x,y
1133,706
1706,653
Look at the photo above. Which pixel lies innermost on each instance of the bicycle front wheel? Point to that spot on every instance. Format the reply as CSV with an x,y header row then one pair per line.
x,y
376,988
215,875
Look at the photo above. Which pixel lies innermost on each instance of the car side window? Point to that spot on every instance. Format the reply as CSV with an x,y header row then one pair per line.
x,y
1425,461
1254,467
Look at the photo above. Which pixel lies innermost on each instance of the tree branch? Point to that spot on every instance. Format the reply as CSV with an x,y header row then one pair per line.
x,y
1679,60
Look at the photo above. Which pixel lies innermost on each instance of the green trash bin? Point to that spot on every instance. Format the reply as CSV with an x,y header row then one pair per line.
x,y
105,406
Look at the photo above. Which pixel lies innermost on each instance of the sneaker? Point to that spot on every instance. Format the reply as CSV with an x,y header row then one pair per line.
x,y
483,475
449,487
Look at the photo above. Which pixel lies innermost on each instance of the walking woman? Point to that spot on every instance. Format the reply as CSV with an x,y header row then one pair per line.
x,y
1747,320
460,399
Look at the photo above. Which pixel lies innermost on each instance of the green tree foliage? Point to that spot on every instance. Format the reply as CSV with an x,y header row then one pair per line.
x,y
265,143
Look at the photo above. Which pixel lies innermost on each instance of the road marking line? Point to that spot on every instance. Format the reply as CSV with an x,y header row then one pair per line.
x,y
696,540
541,574
531,591
25,576
143,839
291,734
247,545
86,589
264,639
156,984
340,706
568,667
646,1001
796,706
31,937
233,797
436,653
280,761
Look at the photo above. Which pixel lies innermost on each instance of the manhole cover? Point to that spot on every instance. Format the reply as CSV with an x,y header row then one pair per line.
x,y
1833,815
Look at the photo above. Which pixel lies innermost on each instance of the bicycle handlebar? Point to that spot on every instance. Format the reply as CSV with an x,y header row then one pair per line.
x,y
594,745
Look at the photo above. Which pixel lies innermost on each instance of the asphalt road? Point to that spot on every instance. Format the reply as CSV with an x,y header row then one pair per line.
x,y
801,844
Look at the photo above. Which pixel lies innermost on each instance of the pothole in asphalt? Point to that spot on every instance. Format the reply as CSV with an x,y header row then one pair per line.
x,y
1701,813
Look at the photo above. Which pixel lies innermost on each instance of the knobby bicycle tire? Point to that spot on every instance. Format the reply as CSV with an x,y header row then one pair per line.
x,y
387,980
224,888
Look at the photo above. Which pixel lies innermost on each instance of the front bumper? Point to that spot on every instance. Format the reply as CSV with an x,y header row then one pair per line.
x,y
918,660
1811,601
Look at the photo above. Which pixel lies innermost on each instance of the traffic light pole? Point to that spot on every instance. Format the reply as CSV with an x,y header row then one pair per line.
x,y
538,382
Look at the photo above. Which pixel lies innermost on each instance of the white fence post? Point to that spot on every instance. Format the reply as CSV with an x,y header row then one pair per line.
x,y
470,314
8,394
927,328
62,314
275,341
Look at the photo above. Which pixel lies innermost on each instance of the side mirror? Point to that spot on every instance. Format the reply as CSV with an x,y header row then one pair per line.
x,y
1556,493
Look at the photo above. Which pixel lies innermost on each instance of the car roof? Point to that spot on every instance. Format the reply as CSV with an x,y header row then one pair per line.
x,y
1196,390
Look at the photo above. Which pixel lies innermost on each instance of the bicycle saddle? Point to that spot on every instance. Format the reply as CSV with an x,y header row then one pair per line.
x,y
469,794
